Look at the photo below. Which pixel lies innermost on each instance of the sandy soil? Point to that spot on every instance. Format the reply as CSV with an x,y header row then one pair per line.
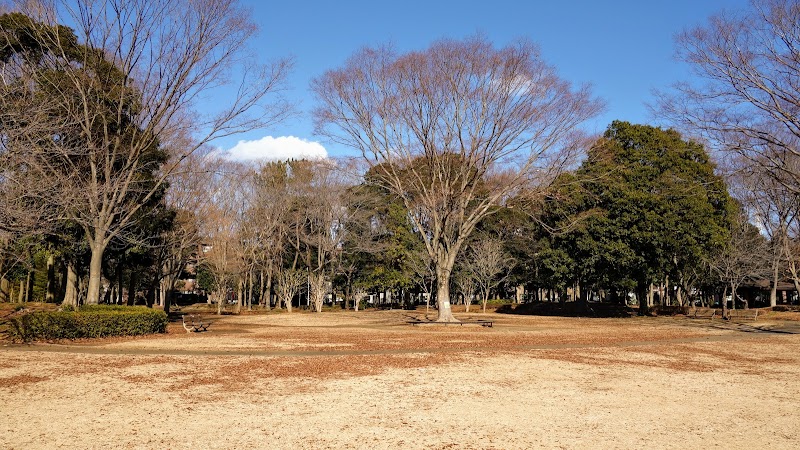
x,y
368,380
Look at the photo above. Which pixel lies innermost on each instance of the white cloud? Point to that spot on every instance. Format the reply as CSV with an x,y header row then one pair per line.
x,y
275,148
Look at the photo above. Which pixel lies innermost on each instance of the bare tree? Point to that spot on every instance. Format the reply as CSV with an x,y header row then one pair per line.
x,y
452,131
318,283
268,215
775,210
745,257
298,210
465,282
486,261
188,196
750,99
128,82
423,269
792,250
223,253
289,282
323,232
358,293
747,106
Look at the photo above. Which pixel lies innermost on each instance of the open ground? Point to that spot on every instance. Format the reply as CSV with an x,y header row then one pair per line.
x,y
370,380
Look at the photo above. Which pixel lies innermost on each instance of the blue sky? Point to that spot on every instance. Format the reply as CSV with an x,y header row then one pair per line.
x,y
623,48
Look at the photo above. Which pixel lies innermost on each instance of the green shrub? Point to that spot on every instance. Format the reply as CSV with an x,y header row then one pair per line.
x,y
88,322
102,308
498,301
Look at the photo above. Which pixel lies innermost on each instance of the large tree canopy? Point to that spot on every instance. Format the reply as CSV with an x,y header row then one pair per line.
x,y
653,208
453,130
106,102
99,172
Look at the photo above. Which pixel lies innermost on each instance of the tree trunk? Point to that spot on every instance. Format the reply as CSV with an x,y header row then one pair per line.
x,y
95,273
317,285
443,297
725,302
132,289
348,294
773,292
151,293
263,293
71,286
168,292
269,290
21,297
50,295
250,290
239,295
221,299
287,302
29,286
4,290
644,307
120,268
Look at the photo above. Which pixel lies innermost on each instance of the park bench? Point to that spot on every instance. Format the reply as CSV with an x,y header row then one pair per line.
x,y
743,314
703,313
481,322
195,323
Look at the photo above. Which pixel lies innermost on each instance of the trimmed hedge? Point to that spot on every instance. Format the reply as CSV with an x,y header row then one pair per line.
x,y
88,322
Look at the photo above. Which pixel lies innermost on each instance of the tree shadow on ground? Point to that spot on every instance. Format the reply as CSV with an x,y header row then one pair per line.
x,y
782,328
569,309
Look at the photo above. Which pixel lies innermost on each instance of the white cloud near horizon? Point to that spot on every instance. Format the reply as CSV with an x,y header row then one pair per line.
x,y
276,149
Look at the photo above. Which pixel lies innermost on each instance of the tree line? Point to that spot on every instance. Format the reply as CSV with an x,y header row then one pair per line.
x,y
473,176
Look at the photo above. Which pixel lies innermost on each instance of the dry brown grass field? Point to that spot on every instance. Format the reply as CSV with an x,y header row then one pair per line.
x,y
369,380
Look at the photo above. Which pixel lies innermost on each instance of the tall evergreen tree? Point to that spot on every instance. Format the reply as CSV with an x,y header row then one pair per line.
x,y
654,209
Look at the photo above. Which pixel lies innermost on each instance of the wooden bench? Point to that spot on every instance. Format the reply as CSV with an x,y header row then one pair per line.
x,y
481,322
743,314
195,323
703,313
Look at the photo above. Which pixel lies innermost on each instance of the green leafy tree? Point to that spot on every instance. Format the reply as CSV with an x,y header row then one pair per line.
x,y
380,246
652,208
